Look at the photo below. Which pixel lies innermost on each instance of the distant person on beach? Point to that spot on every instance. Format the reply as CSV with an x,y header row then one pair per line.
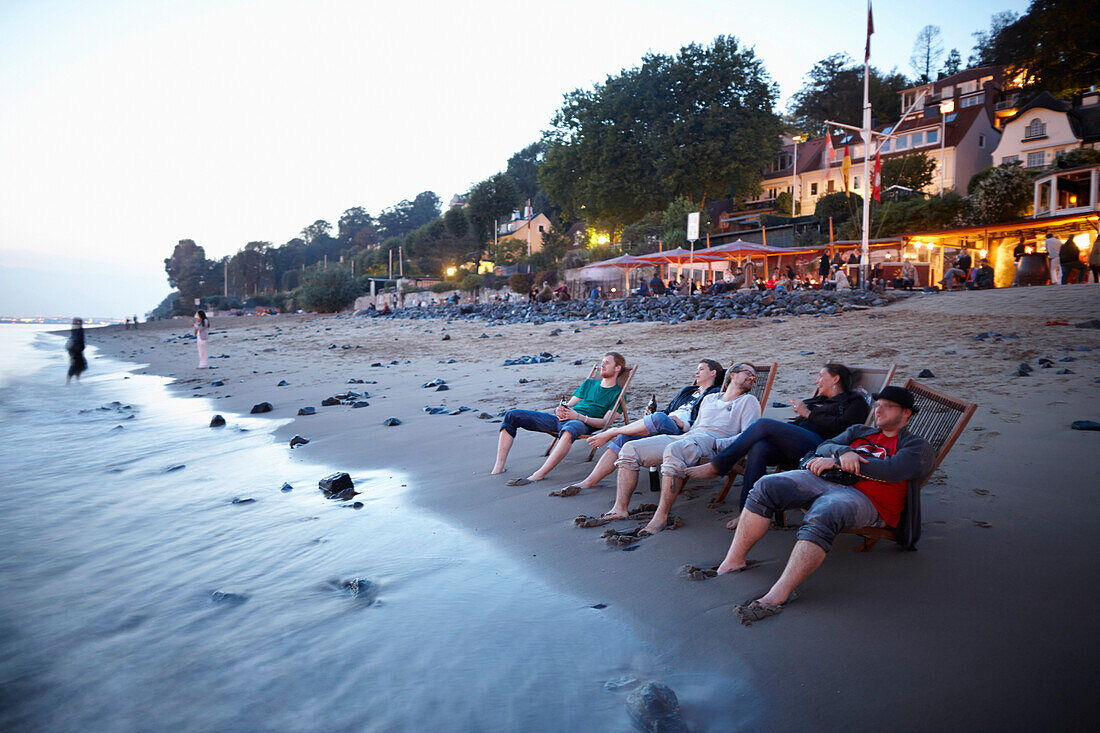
x,y
135,323
858,479
908,274
583,413
722,418
823,266
1070,262
75,347
202,333
835,407
1094,260
126,326
675,419
545,294
1054,250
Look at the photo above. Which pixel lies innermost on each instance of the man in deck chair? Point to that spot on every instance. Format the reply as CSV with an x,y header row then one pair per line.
x,y
582,414
857,479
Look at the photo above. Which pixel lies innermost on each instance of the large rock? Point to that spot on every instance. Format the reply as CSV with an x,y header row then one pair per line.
x,y
337,486
654,708
262,407
217,421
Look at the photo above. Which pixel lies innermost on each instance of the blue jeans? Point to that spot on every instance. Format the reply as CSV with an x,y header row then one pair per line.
x,y
765,442
542,422
830,508
657,424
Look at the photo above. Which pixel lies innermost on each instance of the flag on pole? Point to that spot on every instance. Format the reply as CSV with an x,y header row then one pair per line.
x,y
870,30
846,166
876,178
830,156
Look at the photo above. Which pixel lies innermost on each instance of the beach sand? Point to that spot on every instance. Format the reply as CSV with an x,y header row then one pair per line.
x,y
986,626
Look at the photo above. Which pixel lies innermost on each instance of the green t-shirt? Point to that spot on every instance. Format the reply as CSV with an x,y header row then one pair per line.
x,y
595,400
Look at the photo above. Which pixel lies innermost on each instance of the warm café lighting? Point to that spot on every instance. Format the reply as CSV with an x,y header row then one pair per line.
x,y
451,271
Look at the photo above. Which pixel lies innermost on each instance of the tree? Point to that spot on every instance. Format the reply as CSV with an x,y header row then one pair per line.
x,y
327,291
252,269
357,226
1003,195
699,123
953,63
188,270
405,216
456,223
317,229
644,235
675,222
1053,46
833,90
984,41
912,170
927,52
490,200
523,167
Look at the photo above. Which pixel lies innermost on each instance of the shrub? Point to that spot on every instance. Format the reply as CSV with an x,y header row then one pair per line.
x,y
443,287
470,283
1002,196
549,276
327,291
520,282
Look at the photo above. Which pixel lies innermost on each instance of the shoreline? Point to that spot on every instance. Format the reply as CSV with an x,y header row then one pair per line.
x,y
969,601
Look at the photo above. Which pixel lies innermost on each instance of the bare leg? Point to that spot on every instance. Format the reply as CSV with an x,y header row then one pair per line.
x,y
750,529
504,444
670,489
601,438
704,470
561,449
806,557
604,467
625,484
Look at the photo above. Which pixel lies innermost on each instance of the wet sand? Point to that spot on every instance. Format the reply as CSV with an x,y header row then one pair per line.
x,y
988,625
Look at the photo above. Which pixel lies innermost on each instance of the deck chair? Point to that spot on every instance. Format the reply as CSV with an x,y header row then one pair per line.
x,y
940,420
761,390
871,380
617,410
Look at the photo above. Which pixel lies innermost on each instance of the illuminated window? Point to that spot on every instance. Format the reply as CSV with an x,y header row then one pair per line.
x,y
1037,128
813,189
1036,160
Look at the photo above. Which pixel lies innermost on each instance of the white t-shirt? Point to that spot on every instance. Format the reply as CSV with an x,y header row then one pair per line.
x,y
723,420
1054,246
683,412
841,280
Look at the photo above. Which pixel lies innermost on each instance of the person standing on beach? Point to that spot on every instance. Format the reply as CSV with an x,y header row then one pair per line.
x,y
585,412
202,332
1094,260
75,347
1054,252
823,266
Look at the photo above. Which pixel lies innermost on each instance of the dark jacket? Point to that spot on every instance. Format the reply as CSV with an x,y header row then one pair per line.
x,y
823,266
913,463
831,415
684,397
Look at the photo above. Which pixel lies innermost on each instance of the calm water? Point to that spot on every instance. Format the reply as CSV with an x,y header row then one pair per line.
x,y
110,564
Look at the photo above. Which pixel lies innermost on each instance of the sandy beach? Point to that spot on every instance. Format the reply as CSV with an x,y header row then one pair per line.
x,y
986,626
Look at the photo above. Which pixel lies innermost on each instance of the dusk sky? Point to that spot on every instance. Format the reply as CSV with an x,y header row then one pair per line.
x,y
128,125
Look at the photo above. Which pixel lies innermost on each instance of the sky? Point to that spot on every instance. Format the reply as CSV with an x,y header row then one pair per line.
x,y
128,125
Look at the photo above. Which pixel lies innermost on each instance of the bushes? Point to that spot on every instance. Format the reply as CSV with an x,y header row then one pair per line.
x,y
548,276
470,283
520,282
443,287
327,291
1003,195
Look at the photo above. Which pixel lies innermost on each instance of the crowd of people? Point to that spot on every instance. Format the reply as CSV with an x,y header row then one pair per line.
x,y
845,474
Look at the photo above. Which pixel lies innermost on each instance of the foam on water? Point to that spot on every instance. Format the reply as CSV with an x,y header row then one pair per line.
x,y
111,565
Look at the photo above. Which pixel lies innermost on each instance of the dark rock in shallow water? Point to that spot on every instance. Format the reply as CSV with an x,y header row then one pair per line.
x,y
228,598
360,588
262,407
484,416
286,487
283,383
357,505
298,440
243,500
1065,371
389,422
1085,425
310,410
176,467
360,404
654,707
217,383
329,402
337,484
926,374
446,337
217,421
442,388
1093,323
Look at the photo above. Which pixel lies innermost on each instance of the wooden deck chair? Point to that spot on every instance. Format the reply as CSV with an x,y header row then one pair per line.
x,y
871,380
617,410
940,420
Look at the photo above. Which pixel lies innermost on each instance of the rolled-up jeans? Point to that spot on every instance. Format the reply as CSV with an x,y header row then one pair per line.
x,y
830,508
765,442
674,454
542,422
656,424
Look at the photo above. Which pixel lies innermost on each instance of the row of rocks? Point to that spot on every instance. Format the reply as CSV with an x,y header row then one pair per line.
x,y
668,308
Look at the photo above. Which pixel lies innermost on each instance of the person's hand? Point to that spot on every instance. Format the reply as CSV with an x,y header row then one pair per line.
x,y
566,413
817,466
851,461
681,424
800,408
600,439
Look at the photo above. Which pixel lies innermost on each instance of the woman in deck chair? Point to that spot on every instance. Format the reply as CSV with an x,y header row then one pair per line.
x,y
766,442
674,420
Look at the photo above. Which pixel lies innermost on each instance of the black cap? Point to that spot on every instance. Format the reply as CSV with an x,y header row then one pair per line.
x,y
898,395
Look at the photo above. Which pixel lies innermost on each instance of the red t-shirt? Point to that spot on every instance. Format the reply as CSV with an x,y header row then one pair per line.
x,y
887,496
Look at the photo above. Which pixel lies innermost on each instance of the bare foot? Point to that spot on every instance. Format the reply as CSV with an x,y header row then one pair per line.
x,y
614,514
732,524
599,439
706,470
497,470
731,567
655,526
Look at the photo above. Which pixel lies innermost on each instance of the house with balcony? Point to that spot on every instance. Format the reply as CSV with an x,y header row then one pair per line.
x,y
1046,128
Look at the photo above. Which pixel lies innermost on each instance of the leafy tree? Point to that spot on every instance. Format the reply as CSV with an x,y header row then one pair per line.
x,y
833,90
327,291
470,283
783,202
1054,45
317,229
697,123
406,216
523,167
1003,195
644,235
356,226
912,170
506,251
927,52
252,269
918,214
1079,156
953,63
520,282
456,223
188,270
555,243
840,206
674,221
983,53
492,199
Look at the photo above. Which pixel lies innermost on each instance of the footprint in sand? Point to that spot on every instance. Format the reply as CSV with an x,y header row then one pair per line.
x,y
982,439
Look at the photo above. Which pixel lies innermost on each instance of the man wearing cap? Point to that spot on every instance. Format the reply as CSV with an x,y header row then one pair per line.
x,y
877,466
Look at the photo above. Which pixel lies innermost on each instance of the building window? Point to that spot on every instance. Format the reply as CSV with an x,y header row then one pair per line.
x,y
829,186
855,182
968,87
1009,159
948,91
972,101
540,227
1037,128
917,139
813,189
885,147
933,136
1036,160
981,141
903,142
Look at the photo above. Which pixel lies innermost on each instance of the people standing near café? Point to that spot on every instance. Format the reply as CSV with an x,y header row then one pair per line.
x,y
1054,252
202,333
1069,260
1094,260
75,347
823,267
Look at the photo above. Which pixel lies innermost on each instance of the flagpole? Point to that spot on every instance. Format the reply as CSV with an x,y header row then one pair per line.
x,y
865,256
